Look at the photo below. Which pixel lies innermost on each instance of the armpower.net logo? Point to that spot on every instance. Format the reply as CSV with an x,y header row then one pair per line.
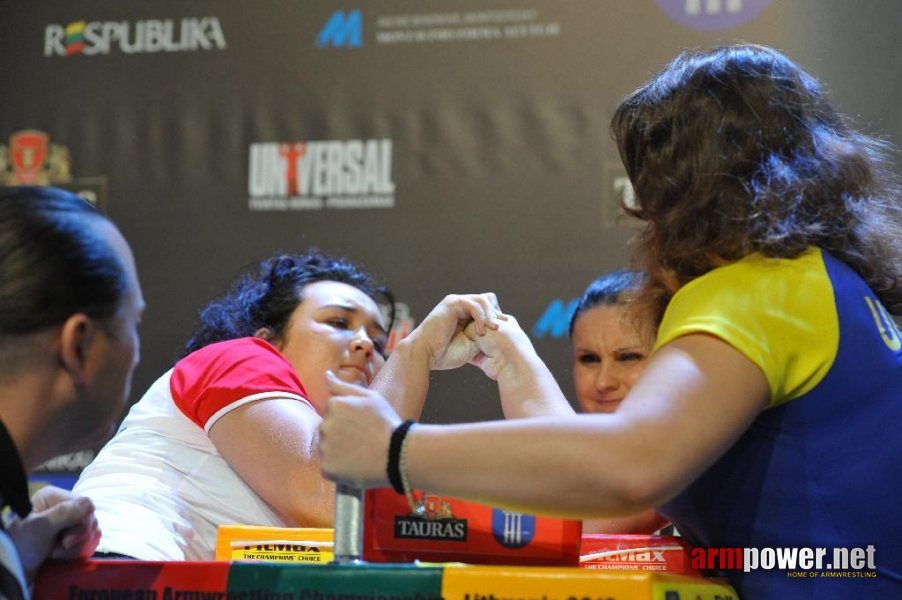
x,y
797,562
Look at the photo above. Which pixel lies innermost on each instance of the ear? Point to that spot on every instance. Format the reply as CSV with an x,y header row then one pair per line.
x,y
264,333
77,336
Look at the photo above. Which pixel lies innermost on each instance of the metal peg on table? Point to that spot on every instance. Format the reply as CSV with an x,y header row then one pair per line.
x,y
348,547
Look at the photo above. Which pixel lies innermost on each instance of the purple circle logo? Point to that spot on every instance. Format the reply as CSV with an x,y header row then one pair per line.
x,y
710,15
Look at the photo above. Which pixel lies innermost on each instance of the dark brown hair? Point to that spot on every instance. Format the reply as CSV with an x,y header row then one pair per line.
x,y
737,150
53,261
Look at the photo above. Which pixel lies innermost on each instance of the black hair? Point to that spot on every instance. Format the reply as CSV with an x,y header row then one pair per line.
x,y
265,294
610,289
53,261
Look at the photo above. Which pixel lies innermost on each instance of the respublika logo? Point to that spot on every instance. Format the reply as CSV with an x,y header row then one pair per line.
x,y
710,15
321,174
512,529
555,321
342,30
140,37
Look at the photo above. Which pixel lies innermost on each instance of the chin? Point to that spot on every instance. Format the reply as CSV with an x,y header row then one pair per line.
x,y
605,406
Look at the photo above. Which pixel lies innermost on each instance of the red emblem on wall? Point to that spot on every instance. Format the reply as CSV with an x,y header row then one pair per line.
x,y
28,153
32,159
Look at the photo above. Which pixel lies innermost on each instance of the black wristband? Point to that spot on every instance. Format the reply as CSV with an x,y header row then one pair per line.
x,y
393,467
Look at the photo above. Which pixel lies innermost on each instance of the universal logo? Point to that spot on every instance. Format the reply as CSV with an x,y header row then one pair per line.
x,y
313,175
437,523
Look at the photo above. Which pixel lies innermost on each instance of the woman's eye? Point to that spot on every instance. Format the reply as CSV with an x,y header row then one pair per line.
x,y
588,359
338,323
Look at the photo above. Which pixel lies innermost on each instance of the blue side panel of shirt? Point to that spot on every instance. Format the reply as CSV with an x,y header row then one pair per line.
x,y
819,471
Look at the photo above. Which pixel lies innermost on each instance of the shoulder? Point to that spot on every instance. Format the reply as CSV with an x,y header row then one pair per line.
x,y
227,374
757,275
233,362
779,312
223,354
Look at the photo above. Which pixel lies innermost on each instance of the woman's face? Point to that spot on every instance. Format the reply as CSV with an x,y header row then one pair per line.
x,y
335,327
608,358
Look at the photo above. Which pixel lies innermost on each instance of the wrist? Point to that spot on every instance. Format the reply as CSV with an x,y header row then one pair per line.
x,y
418,346
395,466
514,366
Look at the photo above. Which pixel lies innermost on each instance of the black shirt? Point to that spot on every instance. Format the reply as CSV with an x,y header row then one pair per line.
x,y
14,492
13,481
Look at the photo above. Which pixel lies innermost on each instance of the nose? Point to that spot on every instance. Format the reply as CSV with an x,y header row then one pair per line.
x,y
606,378
361,342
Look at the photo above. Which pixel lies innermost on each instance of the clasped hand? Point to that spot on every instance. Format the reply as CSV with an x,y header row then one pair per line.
x,y
61,525
449,331
358,422
472,329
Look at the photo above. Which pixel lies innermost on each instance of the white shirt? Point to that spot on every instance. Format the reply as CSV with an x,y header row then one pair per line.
x,y
160,487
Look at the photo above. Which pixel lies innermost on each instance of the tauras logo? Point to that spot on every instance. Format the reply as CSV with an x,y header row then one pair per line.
x,y
449,530
146,36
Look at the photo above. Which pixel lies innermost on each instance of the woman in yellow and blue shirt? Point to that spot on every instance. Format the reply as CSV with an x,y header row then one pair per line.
x,y
768,415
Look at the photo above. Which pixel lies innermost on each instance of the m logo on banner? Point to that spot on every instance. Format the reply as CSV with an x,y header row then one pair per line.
x,y
555,321
342,30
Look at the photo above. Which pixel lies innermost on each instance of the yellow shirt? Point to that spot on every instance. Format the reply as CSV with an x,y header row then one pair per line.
x,y
780,313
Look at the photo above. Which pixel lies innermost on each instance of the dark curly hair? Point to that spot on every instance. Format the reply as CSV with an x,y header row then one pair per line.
x,y
737,150
616,288
265,295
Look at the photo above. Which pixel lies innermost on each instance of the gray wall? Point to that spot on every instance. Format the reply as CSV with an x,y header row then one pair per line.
x,y
504,176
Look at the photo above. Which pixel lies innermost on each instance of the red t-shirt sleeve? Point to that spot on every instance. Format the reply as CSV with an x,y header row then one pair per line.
x,y
220,377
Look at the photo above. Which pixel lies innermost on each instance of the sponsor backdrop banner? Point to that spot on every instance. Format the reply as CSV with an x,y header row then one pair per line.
x,y
448,146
